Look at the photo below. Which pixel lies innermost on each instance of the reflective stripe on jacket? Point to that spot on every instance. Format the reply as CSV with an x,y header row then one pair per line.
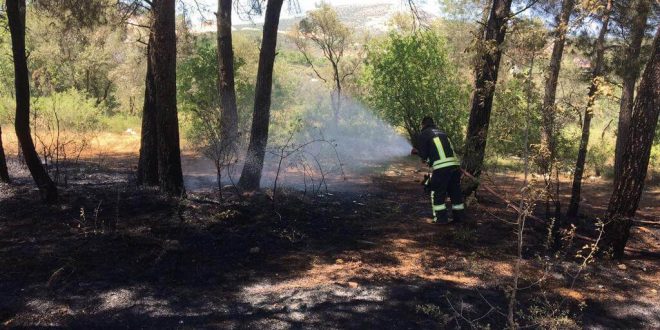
x,y
436,149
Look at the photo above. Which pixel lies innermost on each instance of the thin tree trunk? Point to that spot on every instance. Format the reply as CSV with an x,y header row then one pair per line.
x,y
484,89
599,48
147,173
629,185
337,103
548,109
16,15
4,173
163,59
254,160
630,75
226,87
548,115
511,315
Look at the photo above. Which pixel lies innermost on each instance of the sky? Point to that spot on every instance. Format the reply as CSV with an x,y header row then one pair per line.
x,y
209,6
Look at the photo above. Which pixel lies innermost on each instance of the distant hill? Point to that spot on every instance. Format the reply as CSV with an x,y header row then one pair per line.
x,y
372,18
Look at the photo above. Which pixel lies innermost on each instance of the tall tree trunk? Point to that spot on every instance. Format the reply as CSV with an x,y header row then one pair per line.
x,y
484,89
147,173
548,114
16,16
4,173
226,88
630,75
163,59
254,159
548,144
629,185
599,48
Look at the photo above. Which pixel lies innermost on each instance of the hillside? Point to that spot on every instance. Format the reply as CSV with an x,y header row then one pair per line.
x,y
368,18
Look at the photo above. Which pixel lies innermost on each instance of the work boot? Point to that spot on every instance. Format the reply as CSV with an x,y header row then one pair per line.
x,y
441,218
458,216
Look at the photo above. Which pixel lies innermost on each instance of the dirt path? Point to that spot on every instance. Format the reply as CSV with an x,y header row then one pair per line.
x,y
360,259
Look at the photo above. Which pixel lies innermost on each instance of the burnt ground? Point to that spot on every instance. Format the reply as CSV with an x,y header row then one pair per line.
x,y
110,255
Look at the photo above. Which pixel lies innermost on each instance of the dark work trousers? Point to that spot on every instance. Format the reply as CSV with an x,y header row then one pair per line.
x,y
446,181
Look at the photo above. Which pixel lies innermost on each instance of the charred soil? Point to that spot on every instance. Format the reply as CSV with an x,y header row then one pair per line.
x,y
111,254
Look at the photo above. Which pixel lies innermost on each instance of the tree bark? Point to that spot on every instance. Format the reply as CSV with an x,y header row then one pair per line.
x,y
484,89
226,87
147,173
548,143
630,75
599,48
629,185
16,15
4,173
254,159
163,59
336,106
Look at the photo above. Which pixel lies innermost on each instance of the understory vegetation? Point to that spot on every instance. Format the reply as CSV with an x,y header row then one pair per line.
x,y
162,166
95,74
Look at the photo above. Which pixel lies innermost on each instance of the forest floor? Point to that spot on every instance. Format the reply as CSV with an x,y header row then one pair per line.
x,y
114,256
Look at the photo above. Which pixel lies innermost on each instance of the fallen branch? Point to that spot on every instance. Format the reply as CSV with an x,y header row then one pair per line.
x,y
647,222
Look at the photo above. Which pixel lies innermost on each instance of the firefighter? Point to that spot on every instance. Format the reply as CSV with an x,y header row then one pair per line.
x,y
435,149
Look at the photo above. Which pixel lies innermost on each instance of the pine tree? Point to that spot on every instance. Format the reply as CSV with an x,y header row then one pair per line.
x,y
16,10
629,185
254,160
484,87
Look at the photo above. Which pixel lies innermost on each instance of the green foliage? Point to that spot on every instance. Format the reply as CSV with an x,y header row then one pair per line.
x,y
197,91
324,27
598,155
71,110
97,67
82,57
515,117
7,105
567,144
197,79
6,64
410,76
511,116
525,41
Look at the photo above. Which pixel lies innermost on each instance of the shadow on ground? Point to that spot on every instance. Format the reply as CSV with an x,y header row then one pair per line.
x,y
112,255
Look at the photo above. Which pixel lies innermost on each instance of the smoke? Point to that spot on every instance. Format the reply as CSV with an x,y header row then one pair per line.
x,y
317,154
360,136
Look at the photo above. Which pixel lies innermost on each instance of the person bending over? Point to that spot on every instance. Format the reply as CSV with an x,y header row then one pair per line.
x,y
435,148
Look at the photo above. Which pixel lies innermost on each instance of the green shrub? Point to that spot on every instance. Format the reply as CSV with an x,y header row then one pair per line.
x,y
410,76
70,110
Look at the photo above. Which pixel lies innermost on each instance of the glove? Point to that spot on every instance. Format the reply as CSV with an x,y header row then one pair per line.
x,y
425,183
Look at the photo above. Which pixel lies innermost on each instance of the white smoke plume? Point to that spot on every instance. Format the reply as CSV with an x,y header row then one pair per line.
x,y
341,157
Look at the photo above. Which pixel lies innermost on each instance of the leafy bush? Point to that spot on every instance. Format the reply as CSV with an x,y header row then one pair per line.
x,y
410,76
71,110
599,154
